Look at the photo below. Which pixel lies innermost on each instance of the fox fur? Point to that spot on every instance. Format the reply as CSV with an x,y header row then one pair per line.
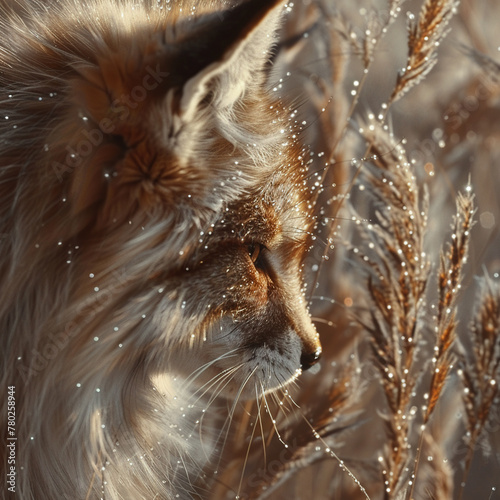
x,y
154,218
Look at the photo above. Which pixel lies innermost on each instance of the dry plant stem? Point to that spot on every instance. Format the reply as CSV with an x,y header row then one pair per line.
x,y
368,51
342,465
450,278
304,451
481,377
409,495
423,39
397,282
449,282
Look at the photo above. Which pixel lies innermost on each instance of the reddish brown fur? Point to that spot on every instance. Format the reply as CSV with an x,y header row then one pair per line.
x,y
157,219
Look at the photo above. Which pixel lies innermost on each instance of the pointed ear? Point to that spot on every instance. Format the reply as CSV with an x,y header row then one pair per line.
x,y
228,52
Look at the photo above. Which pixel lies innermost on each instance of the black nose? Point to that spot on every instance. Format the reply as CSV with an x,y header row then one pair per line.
x,y
309,359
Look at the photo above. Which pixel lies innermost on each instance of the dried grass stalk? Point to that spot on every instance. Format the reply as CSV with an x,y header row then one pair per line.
x,y
314,437
435,475
397,281
424,37
480,373
376,26
449,284
397,285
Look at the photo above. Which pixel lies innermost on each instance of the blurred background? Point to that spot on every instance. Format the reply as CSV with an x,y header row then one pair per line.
x,y
337,66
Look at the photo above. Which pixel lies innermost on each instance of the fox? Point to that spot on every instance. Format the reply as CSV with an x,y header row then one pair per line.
x,y
155,217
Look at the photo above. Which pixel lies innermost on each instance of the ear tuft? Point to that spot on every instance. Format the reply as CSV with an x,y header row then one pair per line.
x,y
232,49
151,142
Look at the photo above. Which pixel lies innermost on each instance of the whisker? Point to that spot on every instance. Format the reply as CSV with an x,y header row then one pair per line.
x,y
207,365
248,450
259,418
273,420
227,423
217,380
317,436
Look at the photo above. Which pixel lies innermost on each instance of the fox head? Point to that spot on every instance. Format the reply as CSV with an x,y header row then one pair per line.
x,y
156,215
160,195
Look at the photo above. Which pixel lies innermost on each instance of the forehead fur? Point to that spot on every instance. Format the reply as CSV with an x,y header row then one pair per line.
x,y
275,211
119,140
